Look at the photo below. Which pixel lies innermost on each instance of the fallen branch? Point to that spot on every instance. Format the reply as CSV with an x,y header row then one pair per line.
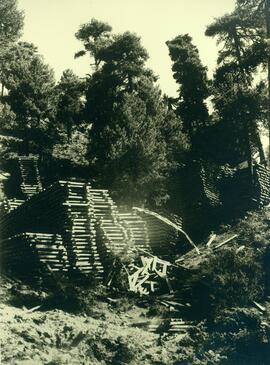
x,y
210,241
259,306
226,241
167,221
241,248
146,252
33,309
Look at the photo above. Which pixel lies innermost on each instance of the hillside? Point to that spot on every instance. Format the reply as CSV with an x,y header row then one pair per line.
x,y
222,295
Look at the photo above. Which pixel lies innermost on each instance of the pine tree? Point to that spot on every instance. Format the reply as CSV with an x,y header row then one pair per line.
x,y
70,103
30,95
191,76
243,37
131,144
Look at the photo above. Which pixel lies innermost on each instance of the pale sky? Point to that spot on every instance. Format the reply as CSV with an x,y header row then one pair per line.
x,y
51,25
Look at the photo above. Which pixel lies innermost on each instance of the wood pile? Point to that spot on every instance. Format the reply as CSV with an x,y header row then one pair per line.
x,y
211,193
60,209
86,218
136,230
148,277
94,233
75,211
262,185
30,253
111,238
163,235
8,205
31,183
50,250
79,230
166,326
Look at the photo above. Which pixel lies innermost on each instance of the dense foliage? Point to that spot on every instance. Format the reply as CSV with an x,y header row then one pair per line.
x,y
191,76
115,127
11,20
134,136
243,37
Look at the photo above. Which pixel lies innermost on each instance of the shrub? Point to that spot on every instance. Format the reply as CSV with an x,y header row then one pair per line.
x,y
234,278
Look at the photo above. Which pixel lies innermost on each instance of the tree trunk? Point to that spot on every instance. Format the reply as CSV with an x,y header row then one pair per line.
x,y
69,128
249,152
244,79
259,144
267,21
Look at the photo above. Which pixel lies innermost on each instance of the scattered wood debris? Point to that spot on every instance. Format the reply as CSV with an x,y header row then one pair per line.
x,y
165,326
146,278
225,242
211,240
191,260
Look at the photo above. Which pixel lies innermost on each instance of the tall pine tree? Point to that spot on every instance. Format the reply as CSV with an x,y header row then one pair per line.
x,y
131,143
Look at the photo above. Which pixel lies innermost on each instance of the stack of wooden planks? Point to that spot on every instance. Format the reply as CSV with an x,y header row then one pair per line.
x,y
78,230
162,234
136,230
31,253
61,209
49,249
262,185
8,205
31,183
210,191
111,238
93,231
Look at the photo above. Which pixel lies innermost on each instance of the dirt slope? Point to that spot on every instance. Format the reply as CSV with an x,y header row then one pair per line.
x,y
222,285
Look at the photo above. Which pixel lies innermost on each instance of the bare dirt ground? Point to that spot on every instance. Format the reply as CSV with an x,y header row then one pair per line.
x,y
31,336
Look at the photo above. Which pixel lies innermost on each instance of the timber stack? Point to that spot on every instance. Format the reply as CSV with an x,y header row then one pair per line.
x,y
61,209
136,230
262,185
111,238
163,236
35,251
10,204
210,192
31,182
92,230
